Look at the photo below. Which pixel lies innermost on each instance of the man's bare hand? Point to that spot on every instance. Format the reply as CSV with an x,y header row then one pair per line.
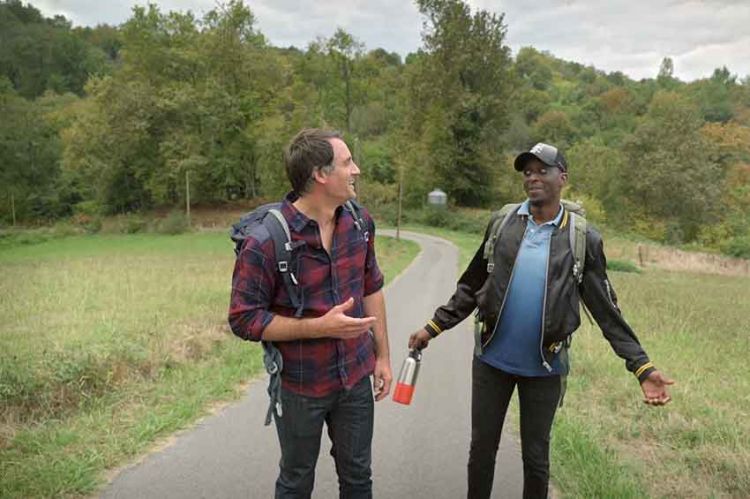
x,y
419,340
382,378
336,324
655,389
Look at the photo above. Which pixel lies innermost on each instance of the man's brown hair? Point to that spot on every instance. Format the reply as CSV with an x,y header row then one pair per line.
x,y
309,150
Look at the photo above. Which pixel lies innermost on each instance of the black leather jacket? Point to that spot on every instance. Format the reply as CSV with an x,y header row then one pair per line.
x,y
561,317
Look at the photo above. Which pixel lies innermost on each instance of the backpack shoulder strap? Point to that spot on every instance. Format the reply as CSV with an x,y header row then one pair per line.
x,y
278,228
573,207
577,230
355,210
577,238
498,221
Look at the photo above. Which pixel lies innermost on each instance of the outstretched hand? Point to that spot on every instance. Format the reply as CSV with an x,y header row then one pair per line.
x,y
336,324
655,389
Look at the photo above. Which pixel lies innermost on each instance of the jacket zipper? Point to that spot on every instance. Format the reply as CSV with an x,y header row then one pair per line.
x,y
544,307
505,295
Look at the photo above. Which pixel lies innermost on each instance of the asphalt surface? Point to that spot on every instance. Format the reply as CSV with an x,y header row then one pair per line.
x,y
419,451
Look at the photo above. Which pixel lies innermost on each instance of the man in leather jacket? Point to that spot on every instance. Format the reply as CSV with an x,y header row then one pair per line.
x,y
528,305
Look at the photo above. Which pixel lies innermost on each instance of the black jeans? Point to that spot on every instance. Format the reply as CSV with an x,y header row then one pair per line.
x,y
490,396
349,418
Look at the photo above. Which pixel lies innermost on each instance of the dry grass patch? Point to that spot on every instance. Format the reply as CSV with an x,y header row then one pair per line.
x,y
607,443
108,343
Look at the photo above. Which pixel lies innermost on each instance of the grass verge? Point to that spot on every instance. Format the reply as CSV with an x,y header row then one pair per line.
x,y
606,442
108,343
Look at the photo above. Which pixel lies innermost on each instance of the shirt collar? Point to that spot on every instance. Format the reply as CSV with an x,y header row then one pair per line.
x,y
524,210
295,218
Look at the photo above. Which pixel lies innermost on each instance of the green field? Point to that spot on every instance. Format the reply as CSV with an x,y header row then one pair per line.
x,y
607,443
108,343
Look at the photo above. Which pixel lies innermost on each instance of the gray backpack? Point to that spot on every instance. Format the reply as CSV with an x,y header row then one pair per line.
x,y
269,215
577,228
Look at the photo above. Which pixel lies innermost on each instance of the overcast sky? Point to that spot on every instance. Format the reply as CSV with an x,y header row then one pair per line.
x,y
631,36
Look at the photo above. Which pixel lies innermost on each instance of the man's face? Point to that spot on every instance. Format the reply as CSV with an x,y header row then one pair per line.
x,y
339,182
542,183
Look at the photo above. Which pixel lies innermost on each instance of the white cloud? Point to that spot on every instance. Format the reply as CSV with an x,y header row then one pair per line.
x,y
631,36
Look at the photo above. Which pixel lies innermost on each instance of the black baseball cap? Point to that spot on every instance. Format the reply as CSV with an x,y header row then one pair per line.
x,y
547,154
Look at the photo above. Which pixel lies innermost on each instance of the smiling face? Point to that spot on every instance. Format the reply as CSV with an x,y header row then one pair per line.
x,y
339,181
542,183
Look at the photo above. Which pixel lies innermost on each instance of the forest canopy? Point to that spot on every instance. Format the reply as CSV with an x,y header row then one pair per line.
x,y
111,119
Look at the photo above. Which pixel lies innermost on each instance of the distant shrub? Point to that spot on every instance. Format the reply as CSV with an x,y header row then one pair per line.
x,y
714,235
65,229
174,223
93,225
132,224
87,216
738,246
473,221
25,236
90,208
19,238
435,216
387,214
381,200
463,220
595,212
655,230
623,266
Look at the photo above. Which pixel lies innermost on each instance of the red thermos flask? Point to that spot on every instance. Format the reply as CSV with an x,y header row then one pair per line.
x,y
407,378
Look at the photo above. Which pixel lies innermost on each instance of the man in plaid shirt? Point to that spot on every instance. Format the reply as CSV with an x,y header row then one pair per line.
x,y
341,339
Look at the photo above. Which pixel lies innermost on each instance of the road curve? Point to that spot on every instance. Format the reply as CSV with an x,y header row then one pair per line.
x,y
419,451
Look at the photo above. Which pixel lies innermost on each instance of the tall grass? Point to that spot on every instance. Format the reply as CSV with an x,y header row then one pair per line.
x,y
110,342
606,442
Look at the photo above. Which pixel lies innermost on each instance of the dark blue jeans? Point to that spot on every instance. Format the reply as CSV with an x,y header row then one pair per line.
x,y
490,395
348,414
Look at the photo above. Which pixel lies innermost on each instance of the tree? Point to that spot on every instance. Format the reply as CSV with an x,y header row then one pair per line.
x,y
665,78
345,50
595,169
39,54
459,91
713,95
29,157
531,67
669,173
554,127
188,97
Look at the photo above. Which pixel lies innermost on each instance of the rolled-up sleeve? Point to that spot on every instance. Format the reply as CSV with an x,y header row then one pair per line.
x,y
374,278
252,288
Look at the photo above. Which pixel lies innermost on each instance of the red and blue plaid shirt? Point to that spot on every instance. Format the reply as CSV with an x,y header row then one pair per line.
x,y
312,367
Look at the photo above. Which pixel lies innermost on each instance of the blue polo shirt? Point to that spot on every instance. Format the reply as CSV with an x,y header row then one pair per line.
x,y
515,348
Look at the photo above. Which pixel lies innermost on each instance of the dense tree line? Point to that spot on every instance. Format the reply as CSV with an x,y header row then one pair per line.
x,y
113,119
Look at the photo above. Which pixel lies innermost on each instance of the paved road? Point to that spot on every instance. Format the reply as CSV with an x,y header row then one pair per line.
x,y
420,451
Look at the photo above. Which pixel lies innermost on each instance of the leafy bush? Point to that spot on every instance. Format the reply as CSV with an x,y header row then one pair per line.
x,y
436,216
87,216
174,223
595,212
131,224
623,266
25,236
655,230
464,220
738,246
64,229
92,225
90,208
